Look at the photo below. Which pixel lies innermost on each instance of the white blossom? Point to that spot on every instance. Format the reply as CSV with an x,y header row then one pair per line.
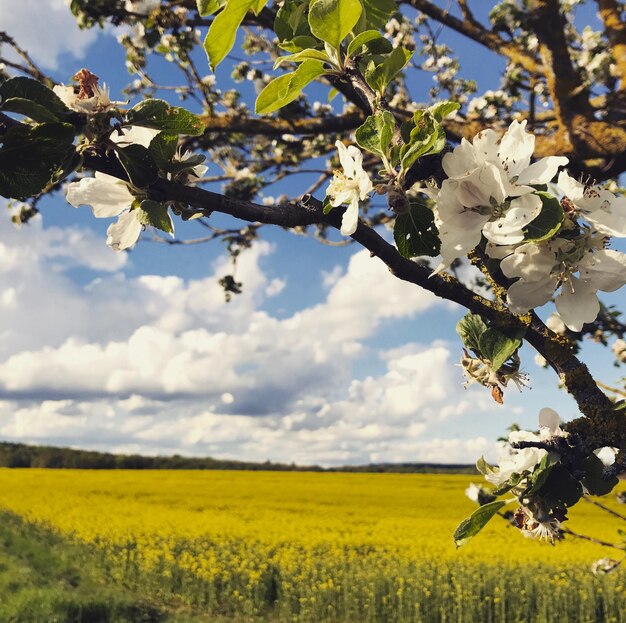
x,y
108,197
349,186
133,135
489,190
606,455
604,210
524,460
542,268
99,102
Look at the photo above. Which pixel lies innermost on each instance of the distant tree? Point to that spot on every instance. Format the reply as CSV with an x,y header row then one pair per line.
x,y
466,178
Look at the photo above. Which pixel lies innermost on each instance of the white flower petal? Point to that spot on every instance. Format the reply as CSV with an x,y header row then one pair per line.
x,y
530,261
508,228
135,135
605,269
347,163
106,195
606,455
124,232
350,220
610,217
460,161
522,296
486,145
549,418
542,171
516,149
482,186
577,303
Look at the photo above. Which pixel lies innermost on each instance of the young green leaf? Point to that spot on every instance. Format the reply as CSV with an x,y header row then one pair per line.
x,y
138,164
362,39
471,526
208,7
332,20
470,328
158,114
415,232
163,148
378,12
376,133
31,156
22,88
497,347
441,110
594,480
309,54
156,215
223,31
379,76
284,89
547,223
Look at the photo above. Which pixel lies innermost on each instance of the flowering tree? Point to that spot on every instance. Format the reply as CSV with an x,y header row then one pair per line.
x,y
519,182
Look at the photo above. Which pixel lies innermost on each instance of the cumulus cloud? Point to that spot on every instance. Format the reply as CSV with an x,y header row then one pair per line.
x,y
46,29
162,364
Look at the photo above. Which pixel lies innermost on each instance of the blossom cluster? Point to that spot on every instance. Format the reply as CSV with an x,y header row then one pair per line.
x,y
493,191
524,466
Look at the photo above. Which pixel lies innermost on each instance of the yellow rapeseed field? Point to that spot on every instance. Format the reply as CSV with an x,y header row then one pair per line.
x,y
317,547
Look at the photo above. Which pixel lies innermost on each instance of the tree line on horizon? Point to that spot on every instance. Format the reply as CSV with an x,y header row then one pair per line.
x,y
19,455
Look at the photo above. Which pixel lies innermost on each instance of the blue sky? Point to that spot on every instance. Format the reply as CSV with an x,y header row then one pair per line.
x,y
324,359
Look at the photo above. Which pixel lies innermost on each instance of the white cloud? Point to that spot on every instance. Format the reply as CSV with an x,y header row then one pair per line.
x,y
162,364
46,29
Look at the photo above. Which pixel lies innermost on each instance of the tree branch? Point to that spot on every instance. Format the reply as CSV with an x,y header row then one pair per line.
x,y
615,28
472,29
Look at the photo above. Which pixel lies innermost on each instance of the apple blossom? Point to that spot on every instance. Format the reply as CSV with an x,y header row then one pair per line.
x,y
604,210
524,460
349,186
489,190
108,197
542,268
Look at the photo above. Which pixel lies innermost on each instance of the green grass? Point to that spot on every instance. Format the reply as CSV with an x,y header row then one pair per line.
x,y
46,579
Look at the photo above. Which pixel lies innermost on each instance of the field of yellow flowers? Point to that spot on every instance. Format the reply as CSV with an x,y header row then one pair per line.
x,y
314,547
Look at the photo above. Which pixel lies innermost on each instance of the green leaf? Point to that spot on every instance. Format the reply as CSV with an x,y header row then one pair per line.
x,y
33,110
415,232
441,110
378,12
594,480
380,76
497,347
156,215
547,223
471,526
223,31
561,487
163,148
363,39
376,133
426,137
208,7
470,328
284,89
291,21
32,156
326,206
483,467
299,43
158,114
332,20
541,473
309,54
138,164
513,481
22,88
